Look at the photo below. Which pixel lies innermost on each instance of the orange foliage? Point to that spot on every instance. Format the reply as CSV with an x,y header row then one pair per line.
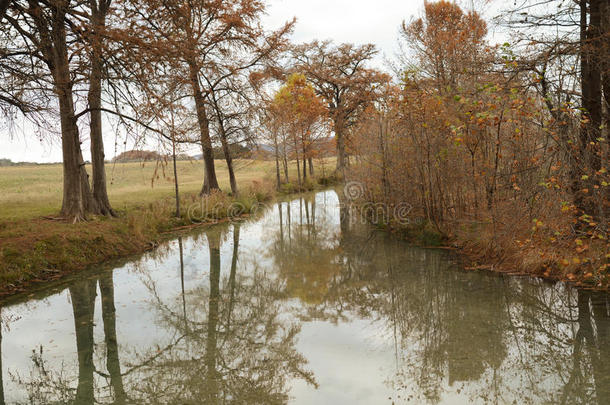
x,y
479,157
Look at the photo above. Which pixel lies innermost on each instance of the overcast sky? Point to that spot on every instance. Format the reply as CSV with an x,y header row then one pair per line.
x,y
356,21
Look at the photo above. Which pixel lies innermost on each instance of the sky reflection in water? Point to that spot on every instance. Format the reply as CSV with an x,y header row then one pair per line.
x,y
304,306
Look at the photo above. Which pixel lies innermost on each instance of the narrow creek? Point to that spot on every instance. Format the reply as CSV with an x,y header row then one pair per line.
x,y
304,305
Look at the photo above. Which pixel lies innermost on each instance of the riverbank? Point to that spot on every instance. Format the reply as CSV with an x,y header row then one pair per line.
x,y
478,250
42,249
279,301
38,250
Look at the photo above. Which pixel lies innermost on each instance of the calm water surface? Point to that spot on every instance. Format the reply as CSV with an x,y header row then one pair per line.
x,y
304,306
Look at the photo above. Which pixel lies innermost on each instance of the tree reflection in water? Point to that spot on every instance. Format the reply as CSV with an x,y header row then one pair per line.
x,y
228,333
496,339
233,349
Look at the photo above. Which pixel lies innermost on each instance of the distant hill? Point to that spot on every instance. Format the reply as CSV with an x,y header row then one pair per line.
x,y
238,151
137,156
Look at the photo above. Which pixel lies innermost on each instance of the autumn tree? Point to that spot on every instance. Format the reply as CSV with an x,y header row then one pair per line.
x,y
274,131
570,72
233,90
204,42
302,112
46,34
447,44
340,75
60,42
484,144
232,108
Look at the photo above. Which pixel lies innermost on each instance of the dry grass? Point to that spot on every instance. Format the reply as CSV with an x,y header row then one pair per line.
x,y
34,191
35,249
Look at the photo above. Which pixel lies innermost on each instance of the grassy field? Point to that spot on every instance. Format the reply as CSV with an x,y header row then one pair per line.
x,y
36,247
35,191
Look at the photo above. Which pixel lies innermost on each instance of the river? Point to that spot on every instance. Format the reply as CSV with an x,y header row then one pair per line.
x,y
303,304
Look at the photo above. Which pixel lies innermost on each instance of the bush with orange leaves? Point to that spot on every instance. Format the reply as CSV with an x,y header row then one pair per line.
x,y
478,155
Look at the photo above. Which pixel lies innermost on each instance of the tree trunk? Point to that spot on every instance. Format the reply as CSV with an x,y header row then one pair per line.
x,y
589,159
384,165
311,166
304,165
296,152
101,203
277,164
285,161
605,67
55,49
341,156
228,158
473,174
176,187
74,203
605,59
210,182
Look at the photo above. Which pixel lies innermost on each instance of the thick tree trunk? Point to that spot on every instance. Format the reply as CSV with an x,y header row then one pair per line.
x,y
74,204
592,81
589,158
340,138
210,182
76,186
101,203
